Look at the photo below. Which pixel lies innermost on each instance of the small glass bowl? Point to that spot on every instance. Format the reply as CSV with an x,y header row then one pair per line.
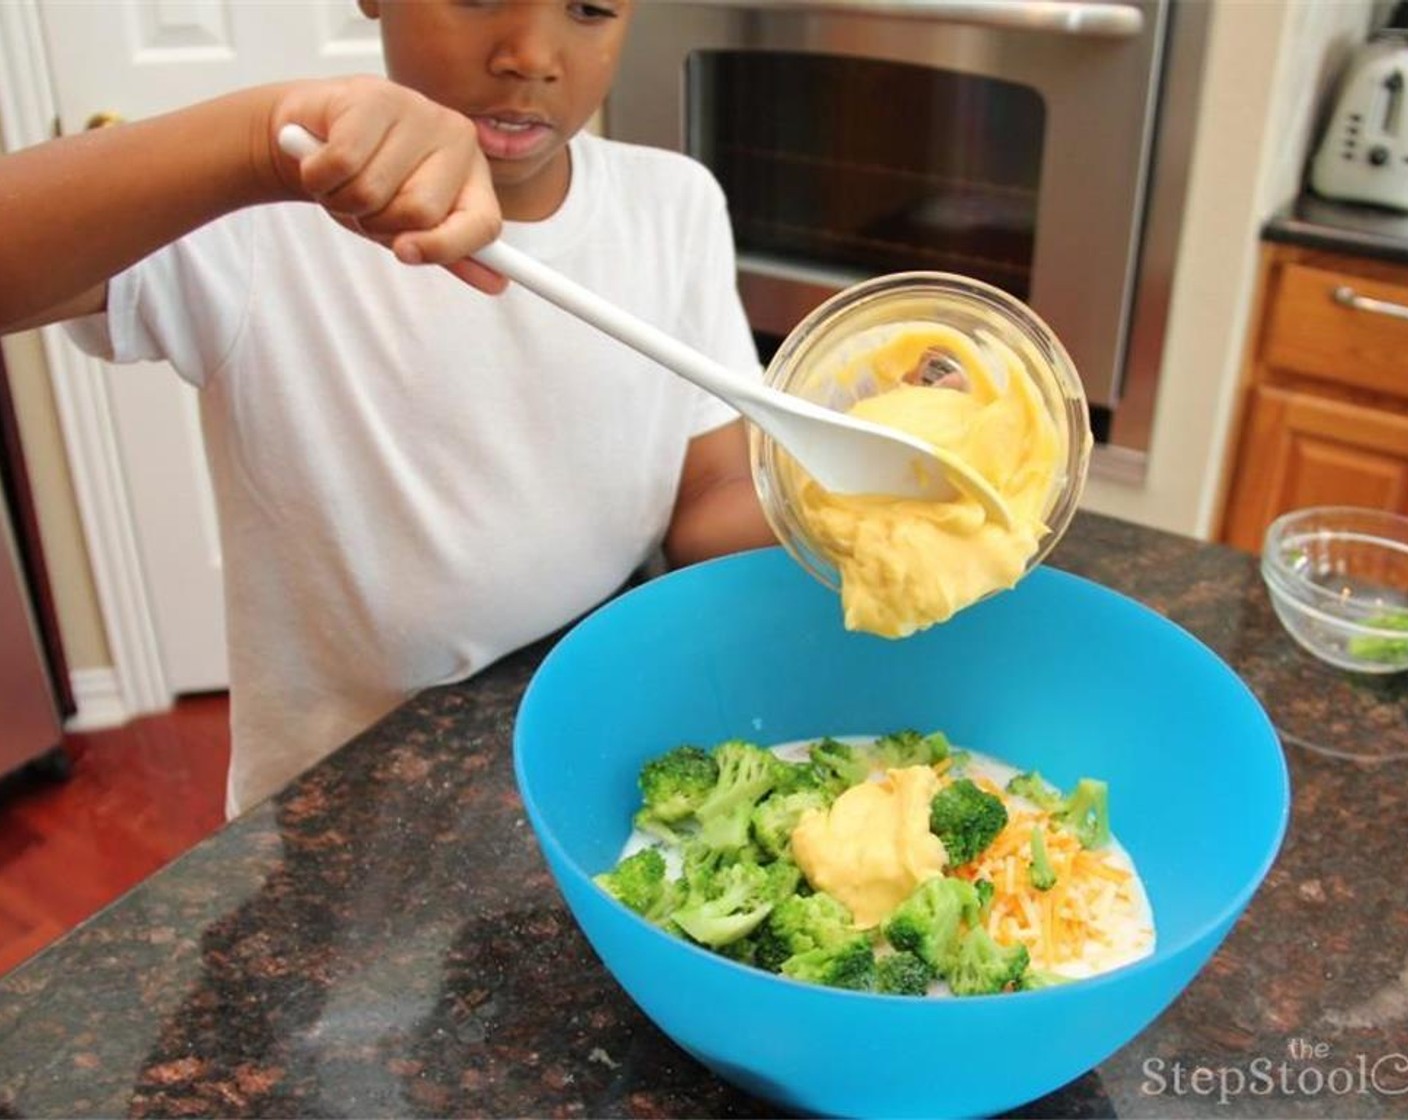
x,y
1338,581
861,318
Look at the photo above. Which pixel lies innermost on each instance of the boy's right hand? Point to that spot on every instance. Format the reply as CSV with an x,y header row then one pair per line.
x,y
397,168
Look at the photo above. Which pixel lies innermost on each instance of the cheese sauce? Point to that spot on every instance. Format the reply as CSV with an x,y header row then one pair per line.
x,y
906,564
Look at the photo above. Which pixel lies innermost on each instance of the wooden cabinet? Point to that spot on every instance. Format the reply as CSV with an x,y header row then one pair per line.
x,y
1323,413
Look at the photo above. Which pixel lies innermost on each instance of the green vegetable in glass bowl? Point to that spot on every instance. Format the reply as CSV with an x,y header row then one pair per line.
x,y
1374,648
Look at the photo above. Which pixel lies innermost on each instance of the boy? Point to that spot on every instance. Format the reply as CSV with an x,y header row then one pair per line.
x,y
413,479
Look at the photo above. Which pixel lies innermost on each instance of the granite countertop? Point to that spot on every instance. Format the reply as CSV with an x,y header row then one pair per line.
x,y
383,939
1342,227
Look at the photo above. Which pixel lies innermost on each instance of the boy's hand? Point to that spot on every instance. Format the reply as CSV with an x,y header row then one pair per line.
x,y
397,168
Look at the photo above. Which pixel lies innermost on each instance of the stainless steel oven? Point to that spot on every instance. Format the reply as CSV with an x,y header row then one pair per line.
x,y
1008,140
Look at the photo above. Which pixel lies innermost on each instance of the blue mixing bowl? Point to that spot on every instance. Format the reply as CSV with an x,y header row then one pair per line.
x,y
1059,675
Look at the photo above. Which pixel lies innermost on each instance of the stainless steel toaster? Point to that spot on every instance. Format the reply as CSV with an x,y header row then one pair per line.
x,y
1363,155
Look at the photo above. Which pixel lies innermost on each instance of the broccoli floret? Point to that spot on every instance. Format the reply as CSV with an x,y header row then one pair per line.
x,y
784,877
1034,979
1086,813
1371,647
648,823
982,966
699,863
673,785
638,881
792,777
908,748
744,951
747,774
801,923
1042,874
840,764
849,964
967,819
777,815
739,897
903,974
958,762
931,920
986,891
1036,789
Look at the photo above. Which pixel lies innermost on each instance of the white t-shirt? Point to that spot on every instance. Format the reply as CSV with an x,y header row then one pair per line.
x,y
413,478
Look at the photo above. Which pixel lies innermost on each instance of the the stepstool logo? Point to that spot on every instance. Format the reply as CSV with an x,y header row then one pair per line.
x,y
1309,1068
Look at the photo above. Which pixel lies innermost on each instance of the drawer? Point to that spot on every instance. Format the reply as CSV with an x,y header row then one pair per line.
x,y
1340,327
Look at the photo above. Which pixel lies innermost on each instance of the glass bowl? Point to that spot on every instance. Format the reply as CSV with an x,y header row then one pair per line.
x,y
1338,581
816,357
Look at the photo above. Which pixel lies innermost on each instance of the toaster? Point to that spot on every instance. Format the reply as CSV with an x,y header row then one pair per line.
x,y
1363,155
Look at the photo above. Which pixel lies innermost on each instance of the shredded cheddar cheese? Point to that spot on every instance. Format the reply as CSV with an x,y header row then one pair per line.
x,y
1092,912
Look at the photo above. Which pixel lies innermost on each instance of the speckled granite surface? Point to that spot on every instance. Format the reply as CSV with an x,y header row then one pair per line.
x,y
352,948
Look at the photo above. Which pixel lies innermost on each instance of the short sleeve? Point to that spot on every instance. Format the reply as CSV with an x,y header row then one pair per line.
x,y
185,304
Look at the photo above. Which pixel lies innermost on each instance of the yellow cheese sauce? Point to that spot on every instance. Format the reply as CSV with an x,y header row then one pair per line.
x,y
905,564
873,847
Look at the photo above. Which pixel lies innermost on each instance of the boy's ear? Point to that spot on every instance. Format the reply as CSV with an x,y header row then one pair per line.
x,y
370,8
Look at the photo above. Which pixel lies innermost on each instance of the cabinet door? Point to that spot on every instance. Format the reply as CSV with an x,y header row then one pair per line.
x,y
1299,449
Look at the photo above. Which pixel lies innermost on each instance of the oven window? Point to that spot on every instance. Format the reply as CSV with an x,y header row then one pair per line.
x,y
863,167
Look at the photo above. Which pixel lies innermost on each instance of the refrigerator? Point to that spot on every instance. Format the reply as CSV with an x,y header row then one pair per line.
x,y
35,693
29,718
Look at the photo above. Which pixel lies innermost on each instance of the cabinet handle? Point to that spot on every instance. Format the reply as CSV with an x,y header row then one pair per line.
x,y
1346,296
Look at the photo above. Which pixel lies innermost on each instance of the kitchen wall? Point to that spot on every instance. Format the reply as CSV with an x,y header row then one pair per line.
x,y
1269,66
1269,63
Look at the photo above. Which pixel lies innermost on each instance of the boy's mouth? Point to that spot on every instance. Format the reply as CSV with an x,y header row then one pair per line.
x,y
511,135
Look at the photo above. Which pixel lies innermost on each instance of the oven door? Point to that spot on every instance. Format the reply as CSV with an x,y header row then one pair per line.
x,y
1006,140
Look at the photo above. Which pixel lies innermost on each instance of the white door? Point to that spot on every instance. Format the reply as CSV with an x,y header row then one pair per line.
x,y
138,58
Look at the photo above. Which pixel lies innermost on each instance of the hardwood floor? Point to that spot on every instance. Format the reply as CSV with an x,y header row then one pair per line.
x,y
138,796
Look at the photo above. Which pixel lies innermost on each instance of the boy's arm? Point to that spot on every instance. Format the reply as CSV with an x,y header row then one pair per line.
x,y
717,509
77,211
397,167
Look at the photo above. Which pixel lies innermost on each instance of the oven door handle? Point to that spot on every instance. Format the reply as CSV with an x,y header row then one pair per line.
x,y
1090,18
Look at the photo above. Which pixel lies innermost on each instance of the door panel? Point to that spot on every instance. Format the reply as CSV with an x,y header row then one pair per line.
x,y
1302,450
130,59
168,488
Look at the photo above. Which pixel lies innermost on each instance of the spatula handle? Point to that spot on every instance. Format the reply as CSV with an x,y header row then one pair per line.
x,y
553,286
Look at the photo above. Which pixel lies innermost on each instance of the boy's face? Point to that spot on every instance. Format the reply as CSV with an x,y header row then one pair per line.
x,y
530,73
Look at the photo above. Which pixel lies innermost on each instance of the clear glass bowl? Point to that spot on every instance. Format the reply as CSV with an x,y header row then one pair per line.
x,y
860,319
1338,581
